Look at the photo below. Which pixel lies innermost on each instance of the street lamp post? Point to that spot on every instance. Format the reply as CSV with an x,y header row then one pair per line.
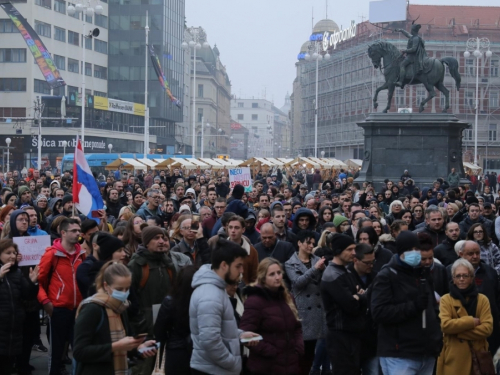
x,y
194,43
477,45
87,9
64,144
315,48
110,147
8,141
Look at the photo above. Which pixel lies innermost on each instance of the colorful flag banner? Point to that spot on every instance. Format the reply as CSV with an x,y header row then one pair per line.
x,y
36,46
161,76
86,195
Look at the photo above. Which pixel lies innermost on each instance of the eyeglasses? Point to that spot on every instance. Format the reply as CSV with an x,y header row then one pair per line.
x,y
464,276
21,220
369,264
155,198
478,232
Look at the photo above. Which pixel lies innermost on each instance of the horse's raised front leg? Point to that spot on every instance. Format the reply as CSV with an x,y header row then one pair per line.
x,y
383,87
389,97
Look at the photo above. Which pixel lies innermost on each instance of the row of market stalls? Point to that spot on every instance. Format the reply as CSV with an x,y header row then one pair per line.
x,y
206,163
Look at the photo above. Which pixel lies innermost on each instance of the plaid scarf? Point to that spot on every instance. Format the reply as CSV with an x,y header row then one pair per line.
x,y
114,308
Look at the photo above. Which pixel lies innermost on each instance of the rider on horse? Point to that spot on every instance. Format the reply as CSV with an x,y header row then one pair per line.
x,y
415,54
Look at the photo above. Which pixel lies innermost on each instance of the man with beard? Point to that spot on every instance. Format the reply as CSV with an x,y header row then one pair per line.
x,y
168,212
178,195
25,197
193,244
113,203
445,251
150,207
211,315
211,197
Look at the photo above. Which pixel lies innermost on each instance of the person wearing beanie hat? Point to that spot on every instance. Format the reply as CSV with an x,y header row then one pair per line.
x,y
22,189
185,209
10,199
238,191
402,300
154,268
67,205
341,223
110,248
345,306
25,197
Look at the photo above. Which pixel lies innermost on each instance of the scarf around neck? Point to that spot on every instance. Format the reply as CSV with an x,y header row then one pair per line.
x,y
468,297
114,309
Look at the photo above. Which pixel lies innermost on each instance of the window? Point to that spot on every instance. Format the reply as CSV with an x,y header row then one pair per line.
x,y
241,117
469,67
73,38
100,72
73,65
7,26
469,98
493,100
200,114
12,84
42,28
42,87
43,3
72,90
76,14
421,95
14,55
100,46
240,105
468,134
60,62
100,93
88,69
255,117
60,6
59,91
88,19
492,132
200,91
494,68
255,105
88,42
59,34
101,20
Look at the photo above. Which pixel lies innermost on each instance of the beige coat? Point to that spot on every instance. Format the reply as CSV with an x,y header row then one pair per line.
x,y
458,328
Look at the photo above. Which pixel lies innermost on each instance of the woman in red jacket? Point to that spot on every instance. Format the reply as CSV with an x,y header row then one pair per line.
x,y
270,311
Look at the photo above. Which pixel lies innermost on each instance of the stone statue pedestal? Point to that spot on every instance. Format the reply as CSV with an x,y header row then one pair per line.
x,y
427,144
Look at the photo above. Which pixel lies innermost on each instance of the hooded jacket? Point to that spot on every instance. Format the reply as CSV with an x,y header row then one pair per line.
x,y
215,334
295,226
13,227
57,276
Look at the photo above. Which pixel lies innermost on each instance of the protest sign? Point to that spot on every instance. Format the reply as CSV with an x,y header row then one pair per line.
x,y
32,248
242,177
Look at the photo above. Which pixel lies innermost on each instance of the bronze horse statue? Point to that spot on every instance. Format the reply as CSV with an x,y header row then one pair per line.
x,y
432,76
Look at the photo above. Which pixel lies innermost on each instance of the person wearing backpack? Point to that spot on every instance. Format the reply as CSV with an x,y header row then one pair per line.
x,y
58,290
103,337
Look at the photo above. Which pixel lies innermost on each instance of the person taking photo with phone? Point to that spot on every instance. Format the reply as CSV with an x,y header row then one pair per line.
x,y
193,244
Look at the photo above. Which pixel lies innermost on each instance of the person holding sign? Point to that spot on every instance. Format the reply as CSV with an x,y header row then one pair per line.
x,y
14,288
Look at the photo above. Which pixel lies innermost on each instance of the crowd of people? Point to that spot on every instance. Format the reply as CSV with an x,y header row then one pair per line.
x,y
186,274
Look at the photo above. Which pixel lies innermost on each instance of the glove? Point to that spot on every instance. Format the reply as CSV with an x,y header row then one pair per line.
x,y
422,301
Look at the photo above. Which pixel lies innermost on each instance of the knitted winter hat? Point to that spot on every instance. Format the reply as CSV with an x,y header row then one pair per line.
x,y
340,242
238,191
148,233
108,244
66,199
406,240
22,189
338,219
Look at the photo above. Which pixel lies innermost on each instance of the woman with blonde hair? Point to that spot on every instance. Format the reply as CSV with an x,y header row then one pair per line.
x,y
271,312
466,321
132,235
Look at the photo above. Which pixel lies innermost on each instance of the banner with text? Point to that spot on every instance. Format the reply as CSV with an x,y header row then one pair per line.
x,y
31,249
36,46
240,176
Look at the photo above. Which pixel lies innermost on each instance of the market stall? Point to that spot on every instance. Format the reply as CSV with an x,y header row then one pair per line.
x,y
125,163
472,168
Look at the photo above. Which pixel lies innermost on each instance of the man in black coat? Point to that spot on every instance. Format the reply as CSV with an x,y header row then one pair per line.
x,y
434,271
486,279
270,246
434,225
400,298
445,251
382,255
474,217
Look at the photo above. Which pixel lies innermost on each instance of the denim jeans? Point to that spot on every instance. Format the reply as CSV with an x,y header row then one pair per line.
x,y
407,366
321,360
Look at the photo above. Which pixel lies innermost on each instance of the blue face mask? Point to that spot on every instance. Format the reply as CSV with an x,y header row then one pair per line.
x,y
120,296
412,258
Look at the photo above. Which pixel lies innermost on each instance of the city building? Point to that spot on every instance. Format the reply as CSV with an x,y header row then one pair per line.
x,y
348,80
114,114
268,126
239,141
212,102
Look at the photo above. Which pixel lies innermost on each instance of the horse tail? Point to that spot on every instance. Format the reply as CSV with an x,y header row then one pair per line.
x,y
453,67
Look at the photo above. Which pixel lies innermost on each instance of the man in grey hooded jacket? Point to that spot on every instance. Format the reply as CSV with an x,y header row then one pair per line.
x,y
215,334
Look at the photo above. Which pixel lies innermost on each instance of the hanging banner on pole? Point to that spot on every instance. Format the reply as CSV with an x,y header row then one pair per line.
x,y
161,76
240,176
36,46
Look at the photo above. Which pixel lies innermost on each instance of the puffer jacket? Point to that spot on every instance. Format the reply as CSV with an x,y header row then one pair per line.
x,y
215,335
14,288
61,289
268,314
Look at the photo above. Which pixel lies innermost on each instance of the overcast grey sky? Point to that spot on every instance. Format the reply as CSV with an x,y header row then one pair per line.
x,y
259,40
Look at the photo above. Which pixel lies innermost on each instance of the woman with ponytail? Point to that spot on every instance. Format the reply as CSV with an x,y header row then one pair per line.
x,y
271,312
103,339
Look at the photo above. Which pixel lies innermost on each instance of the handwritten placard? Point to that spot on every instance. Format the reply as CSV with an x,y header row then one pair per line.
x,y
32,248
242,177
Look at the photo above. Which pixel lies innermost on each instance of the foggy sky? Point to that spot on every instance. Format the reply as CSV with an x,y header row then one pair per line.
x,y
259,40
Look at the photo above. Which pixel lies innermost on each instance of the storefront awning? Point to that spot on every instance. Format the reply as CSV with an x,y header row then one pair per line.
x,y
213,163
150,163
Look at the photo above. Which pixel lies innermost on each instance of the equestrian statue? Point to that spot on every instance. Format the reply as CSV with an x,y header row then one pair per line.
x,y
411,66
